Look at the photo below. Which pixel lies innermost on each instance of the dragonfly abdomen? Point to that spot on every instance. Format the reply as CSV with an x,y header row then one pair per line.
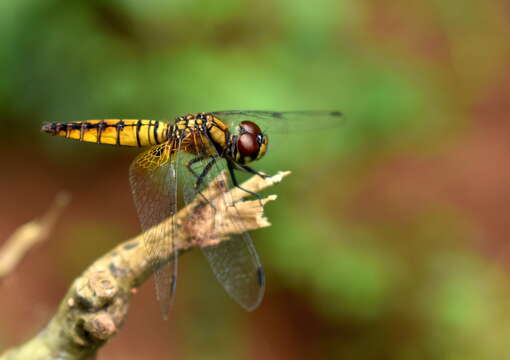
x,y
122,132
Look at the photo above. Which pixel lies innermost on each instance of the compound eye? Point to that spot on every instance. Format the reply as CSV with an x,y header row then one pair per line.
x,y
247,145
250,127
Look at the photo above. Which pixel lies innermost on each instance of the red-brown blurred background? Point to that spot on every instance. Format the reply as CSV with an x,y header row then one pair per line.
x,y
389,241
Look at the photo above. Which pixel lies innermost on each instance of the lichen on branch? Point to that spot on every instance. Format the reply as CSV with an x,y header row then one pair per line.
x,y
96,304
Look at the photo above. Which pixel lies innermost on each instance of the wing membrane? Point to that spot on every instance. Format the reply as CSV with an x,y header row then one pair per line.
x,y
153,180
234,262
282,122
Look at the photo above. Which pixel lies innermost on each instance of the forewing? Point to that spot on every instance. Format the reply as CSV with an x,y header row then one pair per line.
x,y
234,261
282,122
153,181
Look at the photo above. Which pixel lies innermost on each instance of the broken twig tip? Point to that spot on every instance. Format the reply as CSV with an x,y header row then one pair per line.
x,y
279,176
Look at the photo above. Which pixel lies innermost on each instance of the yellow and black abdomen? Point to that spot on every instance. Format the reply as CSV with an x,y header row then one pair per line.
x,y
123,132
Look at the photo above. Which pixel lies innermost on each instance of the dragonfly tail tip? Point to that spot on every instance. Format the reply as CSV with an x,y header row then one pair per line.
x,y
48,128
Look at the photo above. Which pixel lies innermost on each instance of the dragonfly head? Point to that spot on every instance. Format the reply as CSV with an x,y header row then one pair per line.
x,y
250,143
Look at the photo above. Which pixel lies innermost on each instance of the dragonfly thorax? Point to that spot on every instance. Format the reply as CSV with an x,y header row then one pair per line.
x,y
246,145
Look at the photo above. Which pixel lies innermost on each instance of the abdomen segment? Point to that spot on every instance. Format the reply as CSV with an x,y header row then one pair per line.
x,y
123,132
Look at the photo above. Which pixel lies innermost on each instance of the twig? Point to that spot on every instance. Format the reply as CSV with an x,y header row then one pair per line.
x,y
29,235
96,304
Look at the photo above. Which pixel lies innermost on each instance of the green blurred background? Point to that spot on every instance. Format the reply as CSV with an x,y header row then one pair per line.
x,y
389,241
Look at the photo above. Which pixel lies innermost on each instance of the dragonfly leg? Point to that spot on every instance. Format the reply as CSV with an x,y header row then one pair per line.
x,y
200,178
205,171
253,171
236,184
190,163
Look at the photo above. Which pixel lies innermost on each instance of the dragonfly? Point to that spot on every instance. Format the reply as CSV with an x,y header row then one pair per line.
x,y
195,149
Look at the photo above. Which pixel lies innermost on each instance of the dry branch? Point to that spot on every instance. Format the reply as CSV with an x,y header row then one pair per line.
x,y
96,304
29,235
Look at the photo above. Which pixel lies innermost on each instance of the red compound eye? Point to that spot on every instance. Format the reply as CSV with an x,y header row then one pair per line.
x,y
250,127
247,145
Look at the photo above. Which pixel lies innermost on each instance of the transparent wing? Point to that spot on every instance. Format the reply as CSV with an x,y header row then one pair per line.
x,y
234,262
154,185
282,122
